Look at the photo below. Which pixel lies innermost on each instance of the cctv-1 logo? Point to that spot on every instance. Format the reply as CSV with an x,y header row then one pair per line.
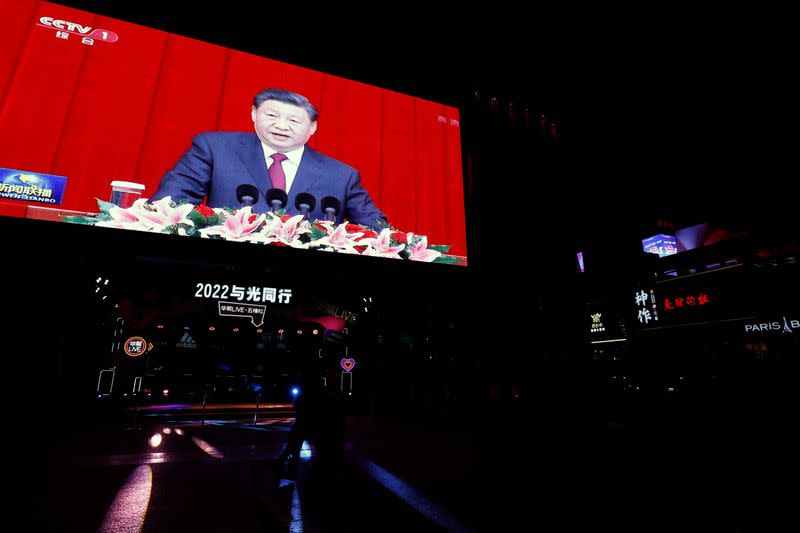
x,y
78,29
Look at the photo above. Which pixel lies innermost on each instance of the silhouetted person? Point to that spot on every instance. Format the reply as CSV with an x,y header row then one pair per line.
x,y
319,419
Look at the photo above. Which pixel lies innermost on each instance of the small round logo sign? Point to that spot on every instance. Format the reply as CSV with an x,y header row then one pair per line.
x,y
135,346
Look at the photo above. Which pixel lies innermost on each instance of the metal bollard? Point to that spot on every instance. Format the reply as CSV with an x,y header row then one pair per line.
x,y
203,420
255,415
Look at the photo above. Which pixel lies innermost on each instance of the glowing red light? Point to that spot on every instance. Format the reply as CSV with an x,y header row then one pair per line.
x,y
211,328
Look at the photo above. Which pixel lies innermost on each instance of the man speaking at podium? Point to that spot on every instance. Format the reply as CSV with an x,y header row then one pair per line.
x,y
275,157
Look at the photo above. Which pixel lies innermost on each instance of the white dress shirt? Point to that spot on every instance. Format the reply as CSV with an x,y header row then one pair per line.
x,y
290,164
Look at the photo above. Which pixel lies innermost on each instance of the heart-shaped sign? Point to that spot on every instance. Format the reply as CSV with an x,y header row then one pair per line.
x,y
348,364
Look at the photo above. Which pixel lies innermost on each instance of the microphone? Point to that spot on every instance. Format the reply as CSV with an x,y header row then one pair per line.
x,y
246,194
305,202
276,198
330,206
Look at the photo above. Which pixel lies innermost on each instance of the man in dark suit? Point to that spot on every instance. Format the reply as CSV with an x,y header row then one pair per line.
x,y
274,157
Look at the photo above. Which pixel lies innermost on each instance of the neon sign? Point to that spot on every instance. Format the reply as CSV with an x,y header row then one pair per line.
x,y
646,308
597,324
135,346
688,301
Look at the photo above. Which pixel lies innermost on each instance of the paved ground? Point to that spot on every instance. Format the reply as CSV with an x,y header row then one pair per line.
x,y
223,475
497,472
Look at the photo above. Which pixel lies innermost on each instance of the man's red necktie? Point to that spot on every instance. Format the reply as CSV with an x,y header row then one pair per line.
x,y
276,174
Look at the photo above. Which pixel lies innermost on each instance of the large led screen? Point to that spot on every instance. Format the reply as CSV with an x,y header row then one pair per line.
x,y
89,100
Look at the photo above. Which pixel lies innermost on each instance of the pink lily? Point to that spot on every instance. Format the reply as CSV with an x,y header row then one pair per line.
x,y
420,251
287,232
340,240
381,246
164,214
236,227
126,218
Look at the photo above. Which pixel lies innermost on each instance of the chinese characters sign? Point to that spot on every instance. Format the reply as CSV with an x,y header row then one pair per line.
x,y
253,311
646,308
686,301
31,186
597,324
243,294
135,346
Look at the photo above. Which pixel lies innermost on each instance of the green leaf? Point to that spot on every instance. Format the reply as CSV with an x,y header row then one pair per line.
x,y
78,219
316,233
444,248
447,259
104,206
196,217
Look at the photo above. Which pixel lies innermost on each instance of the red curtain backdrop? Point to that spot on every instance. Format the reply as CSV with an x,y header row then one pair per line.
x,y
127,110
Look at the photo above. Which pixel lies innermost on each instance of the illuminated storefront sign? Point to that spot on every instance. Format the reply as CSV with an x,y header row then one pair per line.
x,y
687,301
348,364
597,324
186,341
646,308
252,311
135,346
243,294
338,312
784,325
